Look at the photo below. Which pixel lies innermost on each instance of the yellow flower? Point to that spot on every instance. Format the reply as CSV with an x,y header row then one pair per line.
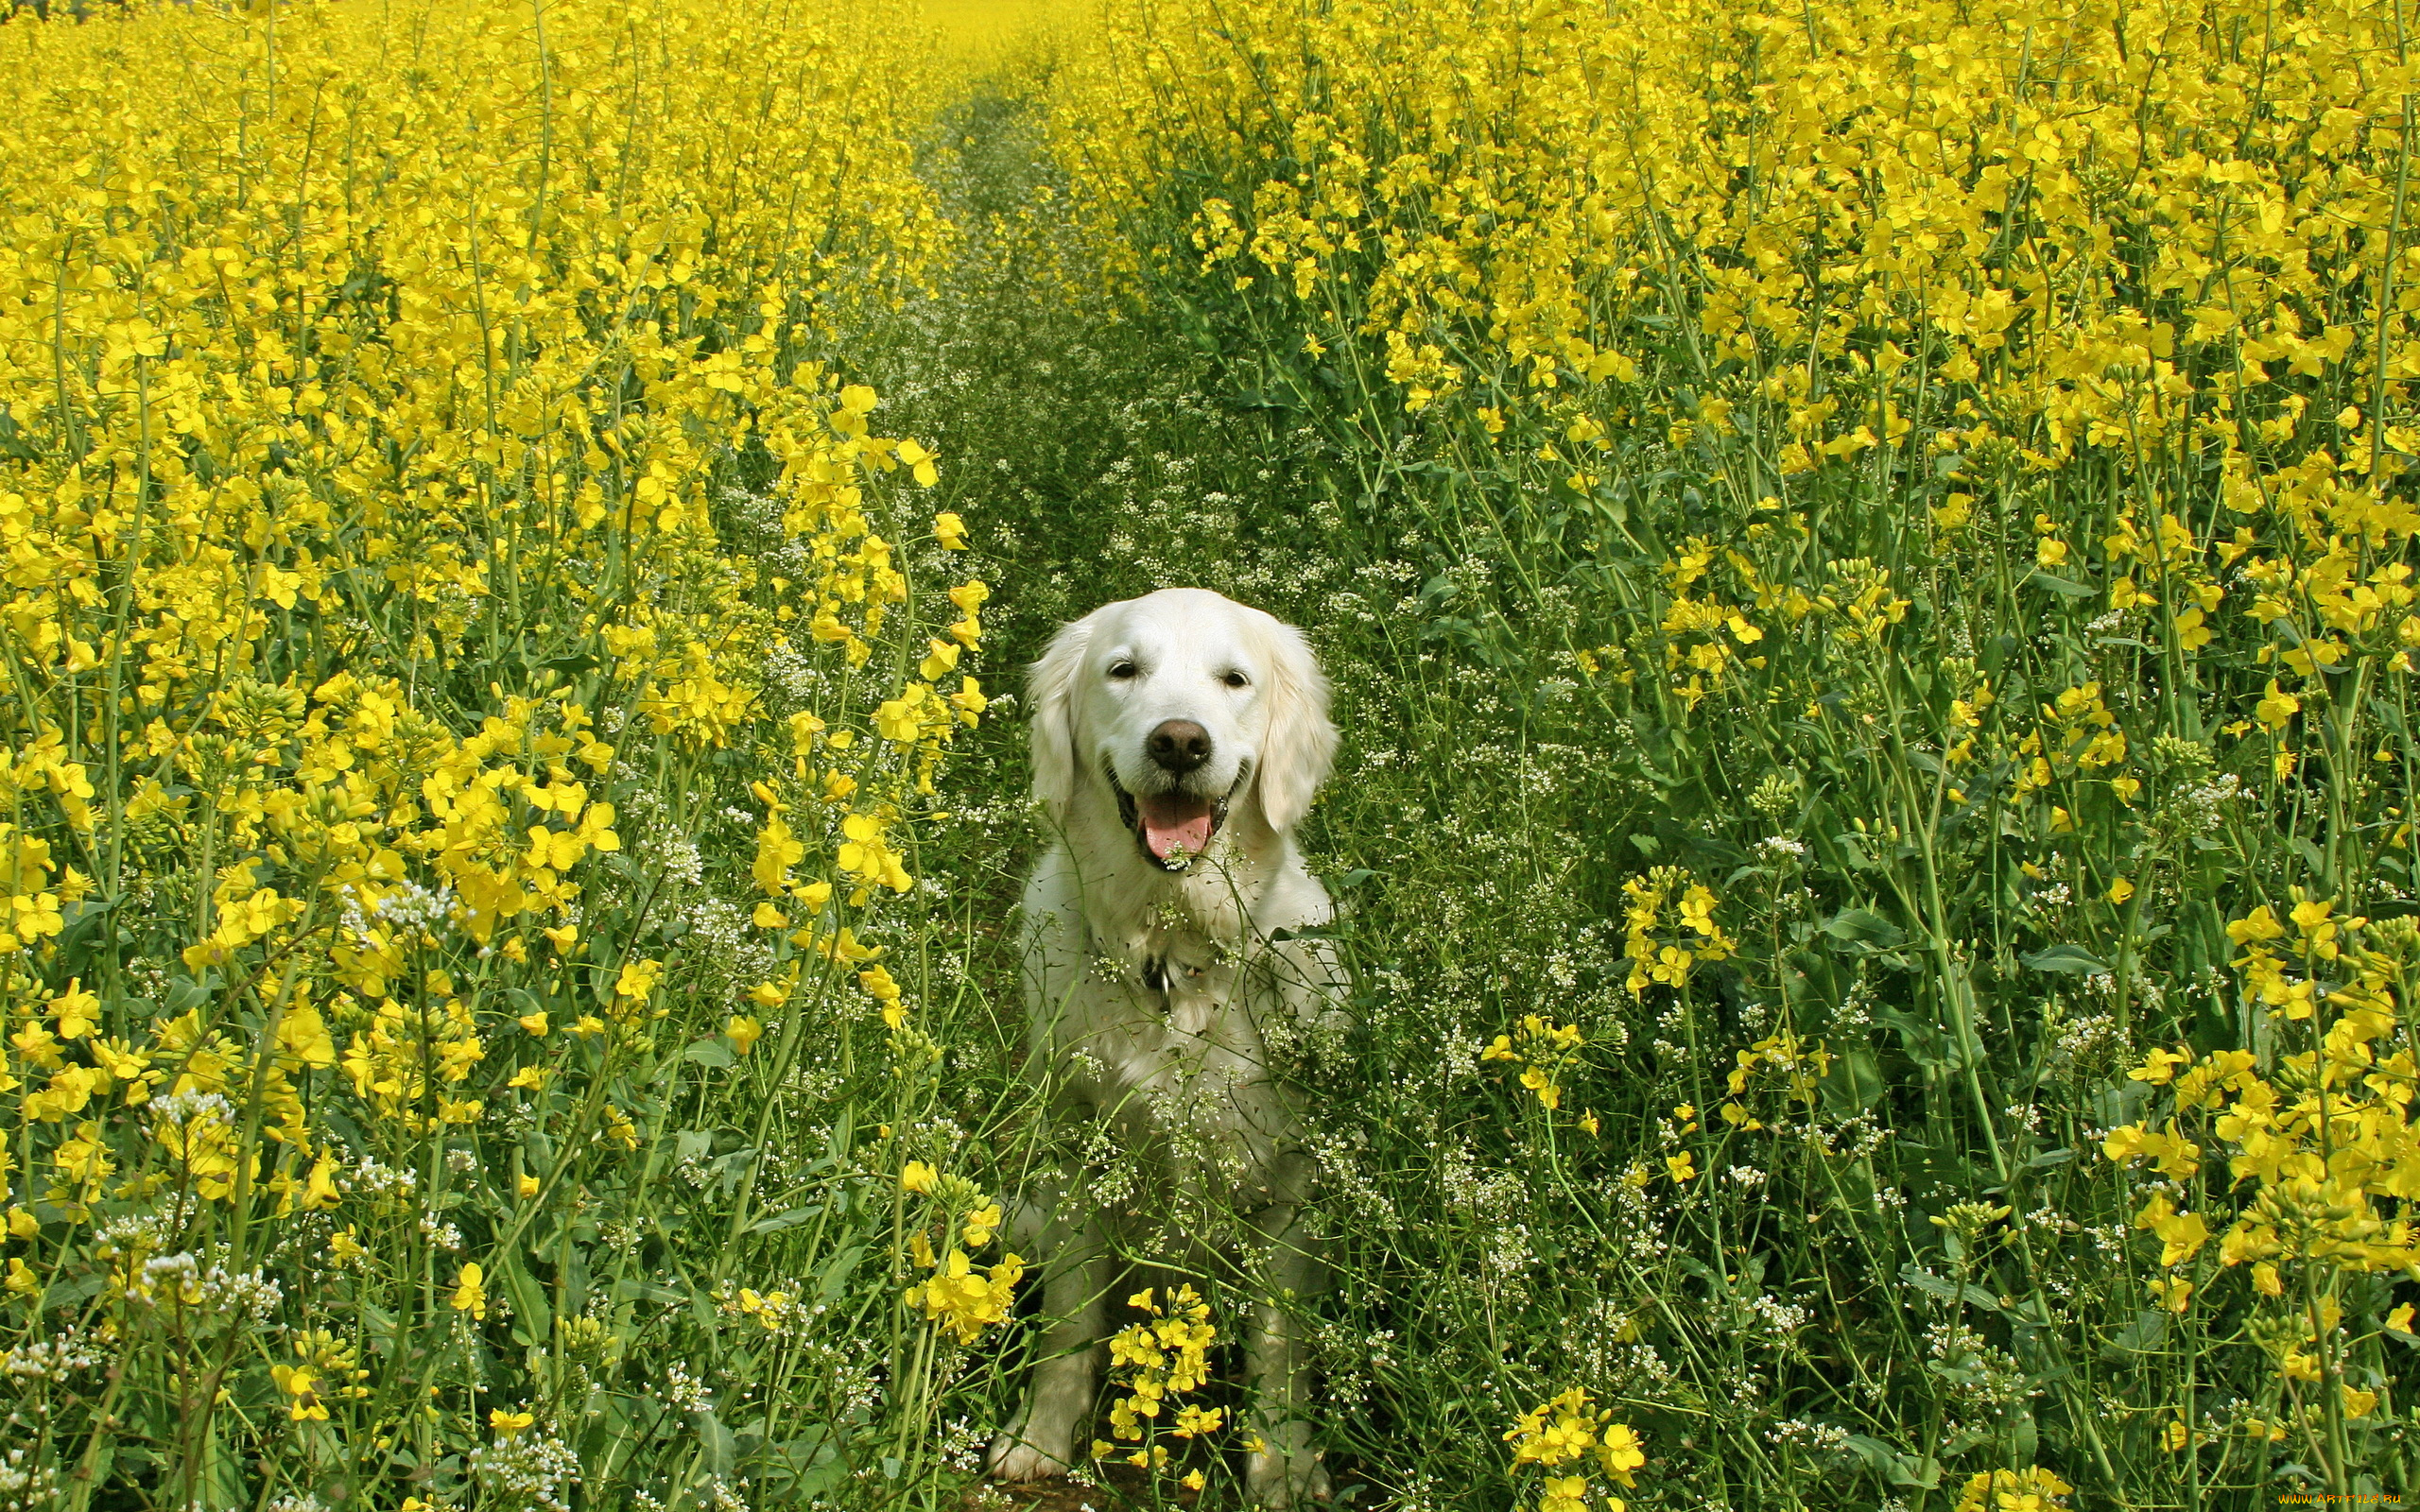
x,y
1537,1079
744,1032
301,1384
1682,1166
966,1300
77,1011
1621,1452
510,1424
319,1188
981,1224
2181,1237
620,1128
1563,1493
470,1295
2275,710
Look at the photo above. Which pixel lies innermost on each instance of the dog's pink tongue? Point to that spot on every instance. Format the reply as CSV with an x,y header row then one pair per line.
x,y
1172,819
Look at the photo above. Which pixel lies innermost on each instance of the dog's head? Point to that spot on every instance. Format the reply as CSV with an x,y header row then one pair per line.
x,y
1181,704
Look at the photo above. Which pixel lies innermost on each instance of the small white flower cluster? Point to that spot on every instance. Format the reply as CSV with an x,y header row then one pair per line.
x,y
1819,1438
178,1273
683,1391
681,860
528,1472
369,1178
184,1279
24,1487
176,1109
1781,1319
2203,807
49,1359
847,1374
2088,1044
409,908
251,1292
962,1444
1977,1375
130,1233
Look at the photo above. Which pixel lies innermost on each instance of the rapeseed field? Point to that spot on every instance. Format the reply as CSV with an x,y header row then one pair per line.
x,y
1865,555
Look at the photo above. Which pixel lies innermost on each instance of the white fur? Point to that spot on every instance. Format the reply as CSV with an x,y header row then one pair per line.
x,y
1155,996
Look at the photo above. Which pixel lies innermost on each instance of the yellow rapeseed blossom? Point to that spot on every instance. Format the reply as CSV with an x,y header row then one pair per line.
x,y
1565,1430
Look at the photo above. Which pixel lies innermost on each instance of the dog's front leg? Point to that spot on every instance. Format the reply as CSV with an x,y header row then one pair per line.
x,y
1058,1410
1284,1472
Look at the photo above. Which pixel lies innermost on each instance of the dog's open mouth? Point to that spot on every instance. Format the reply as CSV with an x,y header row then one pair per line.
x,y
1173,827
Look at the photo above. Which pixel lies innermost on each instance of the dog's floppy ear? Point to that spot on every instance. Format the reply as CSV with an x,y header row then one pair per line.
x,y
1301,744
1050,684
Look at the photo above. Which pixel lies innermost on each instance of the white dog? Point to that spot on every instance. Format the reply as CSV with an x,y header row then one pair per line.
x,y
1177,739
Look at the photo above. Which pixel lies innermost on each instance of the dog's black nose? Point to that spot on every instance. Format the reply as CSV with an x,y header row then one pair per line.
x,y
1179,745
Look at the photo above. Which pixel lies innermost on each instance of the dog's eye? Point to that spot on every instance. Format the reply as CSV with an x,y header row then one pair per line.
x,y
1236,679
1122,670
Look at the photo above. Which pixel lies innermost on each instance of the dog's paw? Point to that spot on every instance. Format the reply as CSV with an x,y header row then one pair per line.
x,y
1280,1482
1013,1459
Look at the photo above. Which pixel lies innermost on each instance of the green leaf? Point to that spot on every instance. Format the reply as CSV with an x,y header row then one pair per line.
x,y
836,1275
787,1218
532,1320
1926,1042
716,1441
2139,1337
1948,1290
2064,587
1898,1468
2073,959
1855,1084
1865,930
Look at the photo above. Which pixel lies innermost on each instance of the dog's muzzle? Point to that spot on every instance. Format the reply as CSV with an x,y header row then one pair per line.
x,y
1176,827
